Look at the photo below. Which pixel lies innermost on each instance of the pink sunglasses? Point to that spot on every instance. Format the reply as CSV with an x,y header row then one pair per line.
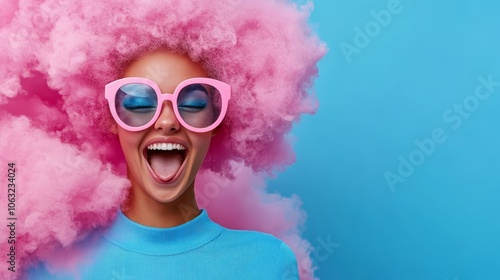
x,y
199,104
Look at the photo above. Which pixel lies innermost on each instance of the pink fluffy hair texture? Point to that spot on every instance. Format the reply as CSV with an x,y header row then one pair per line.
x,y
56,56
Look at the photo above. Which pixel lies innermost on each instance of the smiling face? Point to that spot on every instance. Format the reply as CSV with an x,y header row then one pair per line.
x,y
163,160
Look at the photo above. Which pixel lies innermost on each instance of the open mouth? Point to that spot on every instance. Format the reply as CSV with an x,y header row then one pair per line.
x,y
165,160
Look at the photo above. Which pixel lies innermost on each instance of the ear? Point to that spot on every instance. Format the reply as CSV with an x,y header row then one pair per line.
x,y
114,128
214,131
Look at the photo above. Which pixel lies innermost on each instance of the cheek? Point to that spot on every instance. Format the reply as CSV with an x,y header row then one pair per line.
x,y
201,142
129,140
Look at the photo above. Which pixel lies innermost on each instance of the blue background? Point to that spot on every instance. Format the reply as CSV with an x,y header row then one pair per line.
x,y
440,221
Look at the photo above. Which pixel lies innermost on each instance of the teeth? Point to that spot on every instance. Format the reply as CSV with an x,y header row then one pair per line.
x,y
166,146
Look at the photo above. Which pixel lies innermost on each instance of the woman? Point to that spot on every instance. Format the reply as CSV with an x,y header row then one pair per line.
x,y
151,239
268,61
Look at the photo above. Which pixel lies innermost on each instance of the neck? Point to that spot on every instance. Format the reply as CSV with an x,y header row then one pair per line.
x,y
143,209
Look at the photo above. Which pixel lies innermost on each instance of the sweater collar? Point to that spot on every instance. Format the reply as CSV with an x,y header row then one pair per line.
x,y
135,237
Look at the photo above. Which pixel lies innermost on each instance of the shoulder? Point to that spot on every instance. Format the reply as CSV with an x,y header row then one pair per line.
x,y
265,250
251,239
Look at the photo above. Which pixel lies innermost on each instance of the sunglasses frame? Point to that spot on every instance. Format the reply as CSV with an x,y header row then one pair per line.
x,y
112,88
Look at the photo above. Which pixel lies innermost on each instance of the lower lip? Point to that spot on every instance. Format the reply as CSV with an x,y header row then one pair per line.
x,y
172,181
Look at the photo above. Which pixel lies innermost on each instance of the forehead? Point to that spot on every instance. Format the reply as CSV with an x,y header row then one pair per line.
x,y
165,69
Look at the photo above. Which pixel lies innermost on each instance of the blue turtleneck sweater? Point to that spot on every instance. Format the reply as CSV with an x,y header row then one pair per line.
x,y
198,249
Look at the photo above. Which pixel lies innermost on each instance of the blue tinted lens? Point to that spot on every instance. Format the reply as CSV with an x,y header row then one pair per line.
x,y
199,105
193,98
136,104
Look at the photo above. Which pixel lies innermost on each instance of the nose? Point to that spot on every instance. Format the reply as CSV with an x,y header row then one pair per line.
x,y
167,121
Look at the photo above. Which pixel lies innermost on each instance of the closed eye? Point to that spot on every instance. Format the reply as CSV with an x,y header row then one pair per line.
x,y
138,104
193,98
193,105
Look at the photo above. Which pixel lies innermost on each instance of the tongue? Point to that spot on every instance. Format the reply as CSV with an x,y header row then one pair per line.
x,y
165,164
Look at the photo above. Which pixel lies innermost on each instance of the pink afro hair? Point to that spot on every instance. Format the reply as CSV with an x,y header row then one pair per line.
x,y
56,57
263,49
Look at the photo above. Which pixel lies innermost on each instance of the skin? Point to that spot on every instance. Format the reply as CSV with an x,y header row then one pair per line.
x,y
151,203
